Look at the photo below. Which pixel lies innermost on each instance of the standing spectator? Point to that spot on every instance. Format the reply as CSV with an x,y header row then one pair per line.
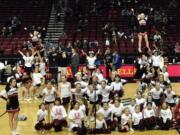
x,y
53,62
117,61
74,61
62,64
108,61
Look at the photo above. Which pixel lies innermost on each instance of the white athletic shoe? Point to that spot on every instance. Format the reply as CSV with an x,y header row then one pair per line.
x,y
131,129
13,133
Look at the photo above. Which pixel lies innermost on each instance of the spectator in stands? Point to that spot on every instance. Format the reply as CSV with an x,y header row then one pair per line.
x,y
4,32
63,63
15,24
108,61
177,51
117,61
74,61
173,4
157,40
125,12
53,62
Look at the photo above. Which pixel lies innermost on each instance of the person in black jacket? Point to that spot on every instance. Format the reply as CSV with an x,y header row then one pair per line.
x,y
74,61
63,62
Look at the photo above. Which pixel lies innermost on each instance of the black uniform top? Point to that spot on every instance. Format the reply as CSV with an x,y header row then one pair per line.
x,y
142,26
12,95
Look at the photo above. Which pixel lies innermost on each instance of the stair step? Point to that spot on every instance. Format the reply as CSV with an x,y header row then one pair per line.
x,y
56,33
55,28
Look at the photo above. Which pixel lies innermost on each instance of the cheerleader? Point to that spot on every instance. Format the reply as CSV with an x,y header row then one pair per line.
x,y
146,78
79,80
170,96
28,61
12,106
163,83
106,110
49,95
99,74
165,121
105,91
38,80
150,120
93,96
82,107
126,121
78,92
65,92
117,85
42,67
165,74
156,94
75,117
139,99
132,106
84,73
117,109
137,117
142,19
41,115
58,114
101,125
149,100
27,88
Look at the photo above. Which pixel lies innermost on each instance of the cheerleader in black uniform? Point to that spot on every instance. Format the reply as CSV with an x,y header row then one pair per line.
x,y
12,106
142,23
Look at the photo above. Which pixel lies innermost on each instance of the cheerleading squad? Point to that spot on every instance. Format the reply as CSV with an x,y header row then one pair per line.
x,y
92,104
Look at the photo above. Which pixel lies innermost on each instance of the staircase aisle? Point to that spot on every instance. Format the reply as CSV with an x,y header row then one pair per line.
x,y
55,28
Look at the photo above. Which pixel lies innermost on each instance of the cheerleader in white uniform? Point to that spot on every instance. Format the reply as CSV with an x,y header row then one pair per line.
x,y
132,106
42,67
101,125
170,96
139,99
106,110
41,116
105,91
117,109
99,74
78,92
93,96
126,121
38,80
137,117
149,100
165,121
75,117
64,88
150,119
58,114
117,85
79,80
49,96
156,94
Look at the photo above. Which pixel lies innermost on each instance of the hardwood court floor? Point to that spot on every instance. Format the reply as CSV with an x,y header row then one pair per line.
x,y
30,110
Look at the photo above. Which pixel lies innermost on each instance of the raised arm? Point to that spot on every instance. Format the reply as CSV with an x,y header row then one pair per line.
x,y
22,54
